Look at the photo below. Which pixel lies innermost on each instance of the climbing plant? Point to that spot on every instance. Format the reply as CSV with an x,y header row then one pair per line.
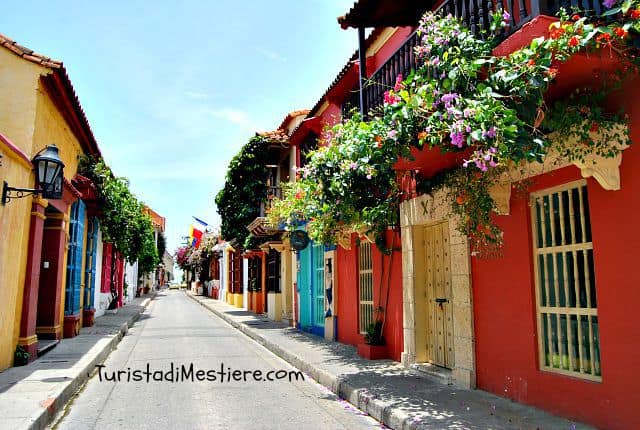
x,y
462,98
122,219
245,187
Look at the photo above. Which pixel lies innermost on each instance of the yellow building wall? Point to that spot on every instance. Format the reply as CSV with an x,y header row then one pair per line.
x,y
18,84
31,121
50,127
14,235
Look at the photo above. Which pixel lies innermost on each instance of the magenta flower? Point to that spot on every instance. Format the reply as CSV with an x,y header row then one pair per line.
x,y
609,3
392,134
457,139
390,98
506,17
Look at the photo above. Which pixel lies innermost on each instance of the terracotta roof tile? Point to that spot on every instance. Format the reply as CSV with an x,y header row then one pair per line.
x,y
28,54
68,90
275,136
291,115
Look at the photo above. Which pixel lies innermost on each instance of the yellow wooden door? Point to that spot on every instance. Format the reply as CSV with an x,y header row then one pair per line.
x,y
438,295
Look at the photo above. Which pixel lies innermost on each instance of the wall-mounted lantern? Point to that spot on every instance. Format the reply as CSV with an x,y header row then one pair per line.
x,y
48,168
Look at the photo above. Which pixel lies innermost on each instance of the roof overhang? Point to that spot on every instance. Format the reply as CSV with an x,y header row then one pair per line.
x,y
384,13
306,127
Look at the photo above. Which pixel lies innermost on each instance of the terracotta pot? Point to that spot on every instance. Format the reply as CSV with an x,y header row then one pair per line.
x,y
373,352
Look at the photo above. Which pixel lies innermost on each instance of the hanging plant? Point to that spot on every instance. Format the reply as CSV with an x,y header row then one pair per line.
x,y
463,99
122,219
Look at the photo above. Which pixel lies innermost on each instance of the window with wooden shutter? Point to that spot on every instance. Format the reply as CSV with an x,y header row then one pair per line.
x,y
74,259
365,286
568,332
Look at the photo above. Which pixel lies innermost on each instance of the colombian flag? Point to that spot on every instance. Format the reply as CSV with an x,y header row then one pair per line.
x,y
197,229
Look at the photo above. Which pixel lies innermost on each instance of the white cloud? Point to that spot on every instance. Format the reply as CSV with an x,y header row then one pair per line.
x,y
271,55
235,116
196,95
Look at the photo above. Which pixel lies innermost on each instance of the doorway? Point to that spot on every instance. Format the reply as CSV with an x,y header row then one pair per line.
x,y
438,295
48,325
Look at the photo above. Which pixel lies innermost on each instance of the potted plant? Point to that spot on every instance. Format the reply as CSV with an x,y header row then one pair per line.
x,y
374,347
21,356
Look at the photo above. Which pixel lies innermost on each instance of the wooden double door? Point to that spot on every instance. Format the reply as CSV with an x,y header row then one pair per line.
x,y
438,294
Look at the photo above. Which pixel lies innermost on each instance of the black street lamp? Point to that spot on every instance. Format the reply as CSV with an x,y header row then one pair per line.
x,y
49,176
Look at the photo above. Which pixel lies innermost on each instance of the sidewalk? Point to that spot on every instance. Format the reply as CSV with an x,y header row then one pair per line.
x,y
401,399
30,396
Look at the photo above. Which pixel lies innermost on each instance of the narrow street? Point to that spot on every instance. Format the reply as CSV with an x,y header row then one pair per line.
x,y
176,330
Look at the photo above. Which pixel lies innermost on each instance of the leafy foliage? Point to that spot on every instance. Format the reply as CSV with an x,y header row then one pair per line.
x,y
238,203
123,221
464,99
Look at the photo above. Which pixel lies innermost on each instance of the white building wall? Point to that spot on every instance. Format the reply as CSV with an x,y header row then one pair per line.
x,y
131,278
100,300
245,283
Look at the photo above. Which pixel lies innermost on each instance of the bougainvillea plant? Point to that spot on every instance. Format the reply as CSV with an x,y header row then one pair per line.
x,y
463,98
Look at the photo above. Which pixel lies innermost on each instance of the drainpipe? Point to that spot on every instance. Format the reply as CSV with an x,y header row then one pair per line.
x,y
362,54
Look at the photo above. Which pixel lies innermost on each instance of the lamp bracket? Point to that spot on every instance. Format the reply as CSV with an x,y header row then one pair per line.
x,y
9,193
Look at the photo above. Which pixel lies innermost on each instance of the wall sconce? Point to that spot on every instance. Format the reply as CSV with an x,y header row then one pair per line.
x,y
49,176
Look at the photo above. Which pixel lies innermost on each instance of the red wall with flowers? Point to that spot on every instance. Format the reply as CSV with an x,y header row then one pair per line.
x,y
504,291
389,297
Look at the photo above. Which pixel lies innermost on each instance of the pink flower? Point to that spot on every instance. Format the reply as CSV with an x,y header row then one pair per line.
x,y
398,86
390,98
392,134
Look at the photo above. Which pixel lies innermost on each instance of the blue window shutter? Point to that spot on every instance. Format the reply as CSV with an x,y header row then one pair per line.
x,y
74,259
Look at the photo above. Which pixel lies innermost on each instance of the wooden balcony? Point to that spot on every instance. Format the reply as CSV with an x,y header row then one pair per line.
x,y
475,14
260,226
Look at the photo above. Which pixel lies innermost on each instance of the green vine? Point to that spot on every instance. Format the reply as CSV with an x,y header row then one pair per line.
x,y
238,203
122,220
464,99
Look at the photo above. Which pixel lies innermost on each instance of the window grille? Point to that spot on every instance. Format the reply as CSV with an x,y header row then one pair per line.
x,y
567,312
365,286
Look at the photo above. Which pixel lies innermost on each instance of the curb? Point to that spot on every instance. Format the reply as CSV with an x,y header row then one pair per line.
x,y
359,397
53,405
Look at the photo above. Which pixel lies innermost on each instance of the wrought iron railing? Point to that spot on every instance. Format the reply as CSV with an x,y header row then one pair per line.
x,y
476,15
400,63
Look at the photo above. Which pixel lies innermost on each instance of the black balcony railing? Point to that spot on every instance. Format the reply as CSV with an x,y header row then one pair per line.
x,y
476,15
400,63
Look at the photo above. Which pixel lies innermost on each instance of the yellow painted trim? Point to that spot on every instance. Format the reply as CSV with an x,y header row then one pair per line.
x,y
29,340
39,215
323,107
49,329
40,201
10,153
57,215
381,41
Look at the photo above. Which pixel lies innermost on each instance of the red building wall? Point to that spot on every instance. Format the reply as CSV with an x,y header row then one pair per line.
x,y
504,306
348,300
504,289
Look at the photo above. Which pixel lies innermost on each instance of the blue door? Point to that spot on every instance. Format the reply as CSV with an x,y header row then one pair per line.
x,y
74,259
90,262
311,288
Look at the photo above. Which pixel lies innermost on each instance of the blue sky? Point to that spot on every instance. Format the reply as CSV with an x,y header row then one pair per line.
x,y
173,89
